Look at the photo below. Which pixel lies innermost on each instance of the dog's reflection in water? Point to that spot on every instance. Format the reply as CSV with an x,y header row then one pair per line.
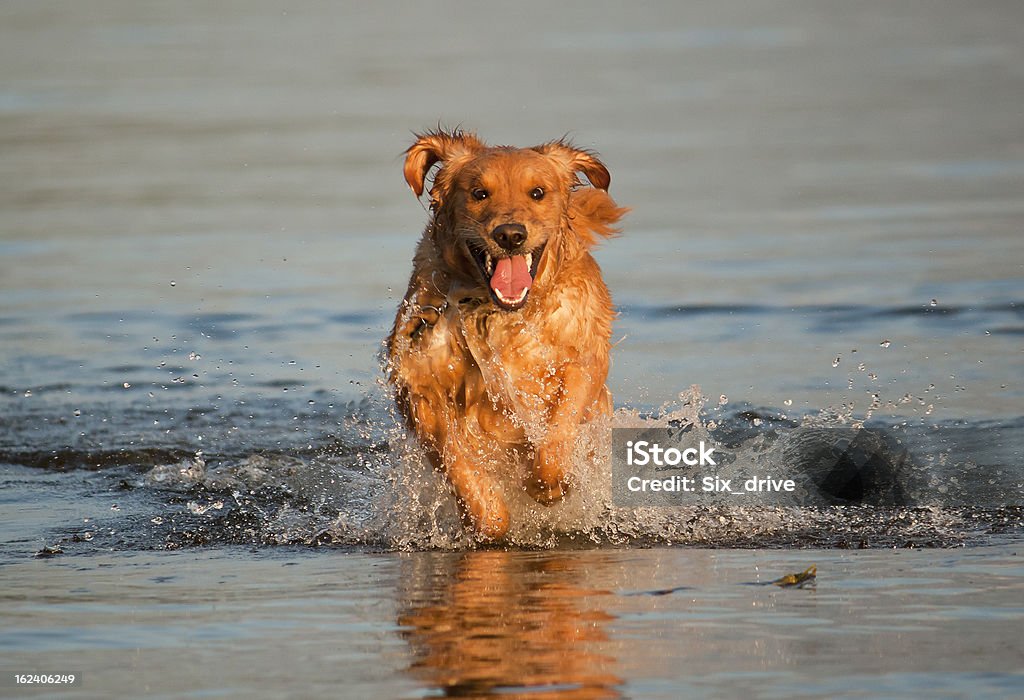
x,y
506,624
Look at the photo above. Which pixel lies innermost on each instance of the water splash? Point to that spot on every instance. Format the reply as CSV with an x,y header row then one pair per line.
x,y
373,488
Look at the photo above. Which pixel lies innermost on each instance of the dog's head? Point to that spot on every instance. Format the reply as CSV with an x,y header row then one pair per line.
x,y
505,218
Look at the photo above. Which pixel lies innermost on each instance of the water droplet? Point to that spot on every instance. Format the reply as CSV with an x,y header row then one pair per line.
x,y
835,362
885,343
173,283
28,393
157,520
722,400
194,356
78,412
861,366
126,385
788,402
934,302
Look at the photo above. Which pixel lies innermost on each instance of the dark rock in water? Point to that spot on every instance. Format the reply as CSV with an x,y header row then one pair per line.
x,y
47,552
849,465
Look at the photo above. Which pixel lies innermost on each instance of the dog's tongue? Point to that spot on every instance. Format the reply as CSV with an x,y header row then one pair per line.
x,y
511,276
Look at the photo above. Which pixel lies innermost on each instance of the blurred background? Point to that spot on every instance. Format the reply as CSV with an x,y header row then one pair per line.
x,y
205,233
201,202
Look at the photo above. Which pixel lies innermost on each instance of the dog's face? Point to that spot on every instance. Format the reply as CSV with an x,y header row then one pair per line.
x,y
499,210
507,205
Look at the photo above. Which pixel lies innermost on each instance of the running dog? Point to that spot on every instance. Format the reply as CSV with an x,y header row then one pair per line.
x,y
500,348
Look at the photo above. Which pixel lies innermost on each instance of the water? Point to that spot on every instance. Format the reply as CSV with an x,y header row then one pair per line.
x,y
657,623
204,237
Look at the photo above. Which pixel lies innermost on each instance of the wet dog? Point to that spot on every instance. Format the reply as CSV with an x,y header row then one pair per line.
x,y
500,348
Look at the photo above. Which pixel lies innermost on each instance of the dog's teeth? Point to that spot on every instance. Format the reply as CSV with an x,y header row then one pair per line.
x,y
489,262
529,261
507,300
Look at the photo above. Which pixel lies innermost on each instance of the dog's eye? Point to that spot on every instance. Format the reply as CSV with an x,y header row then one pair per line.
x,y
537,193
479,193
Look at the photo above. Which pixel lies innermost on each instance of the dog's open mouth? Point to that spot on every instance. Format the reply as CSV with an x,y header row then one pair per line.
x,y
509,278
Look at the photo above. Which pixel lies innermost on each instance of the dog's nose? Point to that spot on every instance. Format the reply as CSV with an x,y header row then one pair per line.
x,y
509,236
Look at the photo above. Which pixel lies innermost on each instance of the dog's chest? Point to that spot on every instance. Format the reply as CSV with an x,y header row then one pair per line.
x,y
517,365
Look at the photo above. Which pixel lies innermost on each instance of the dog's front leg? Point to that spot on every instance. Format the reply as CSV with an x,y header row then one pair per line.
x,y
455,450
476,490
580,396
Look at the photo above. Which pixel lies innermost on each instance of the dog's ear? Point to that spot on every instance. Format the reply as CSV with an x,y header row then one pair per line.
x,y
578,160
593,213
436,147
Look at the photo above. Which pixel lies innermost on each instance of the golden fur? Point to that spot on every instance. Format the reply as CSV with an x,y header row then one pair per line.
x,y
483,381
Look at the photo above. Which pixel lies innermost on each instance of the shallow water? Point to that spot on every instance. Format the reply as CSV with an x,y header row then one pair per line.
x,y
204,236
657,623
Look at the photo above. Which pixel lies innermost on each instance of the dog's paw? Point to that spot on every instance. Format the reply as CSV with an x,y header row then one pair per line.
x,y
483,507
490,522
494,527
546,484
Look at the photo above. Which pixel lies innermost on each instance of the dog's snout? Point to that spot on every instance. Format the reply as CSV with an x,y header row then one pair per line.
x,y
509,236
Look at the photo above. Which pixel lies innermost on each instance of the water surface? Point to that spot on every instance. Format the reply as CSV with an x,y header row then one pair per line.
x,y
204,236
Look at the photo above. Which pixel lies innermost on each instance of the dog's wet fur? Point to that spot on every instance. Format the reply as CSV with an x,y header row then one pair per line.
x,y
500,349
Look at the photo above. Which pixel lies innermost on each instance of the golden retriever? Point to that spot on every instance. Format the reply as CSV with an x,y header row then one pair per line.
x,y
500,349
